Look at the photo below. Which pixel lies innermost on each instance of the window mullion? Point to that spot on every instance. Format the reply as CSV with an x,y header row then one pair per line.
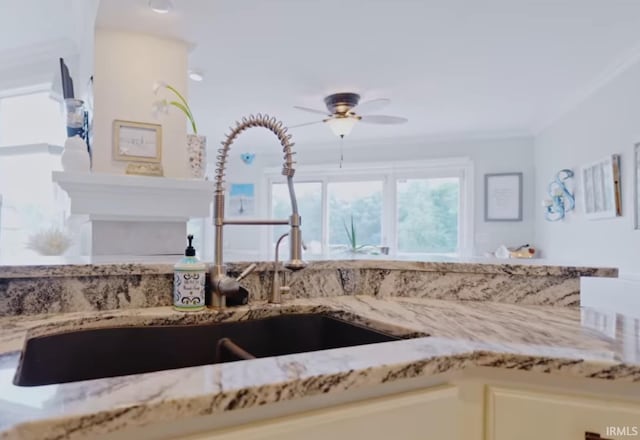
x,y
325,218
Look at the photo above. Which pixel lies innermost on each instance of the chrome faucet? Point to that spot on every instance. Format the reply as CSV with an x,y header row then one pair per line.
x,y
277,289
222,284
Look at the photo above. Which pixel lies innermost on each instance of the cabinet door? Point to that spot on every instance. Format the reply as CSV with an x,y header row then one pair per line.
x,y
528,415
420,415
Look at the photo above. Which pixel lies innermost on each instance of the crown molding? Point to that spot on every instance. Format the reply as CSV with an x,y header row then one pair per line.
x,y
610,73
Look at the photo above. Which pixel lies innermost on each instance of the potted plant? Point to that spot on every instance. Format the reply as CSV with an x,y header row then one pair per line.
x,y
353,246
196,144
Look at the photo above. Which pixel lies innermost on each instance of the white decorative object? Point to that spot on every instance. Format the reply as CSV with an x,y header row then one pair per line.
x,y
51,241
197,154
75,157
502,252
601,188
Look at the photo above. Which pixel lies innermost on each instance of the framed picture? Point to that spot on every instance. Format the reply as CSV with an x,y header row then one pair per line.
x,y
137,141
242,201
601,188
503,197
636,197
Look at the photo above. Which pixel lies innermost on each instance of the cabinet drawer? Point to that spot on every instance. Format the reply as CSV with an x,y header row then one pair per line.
x,y
429,414
531,415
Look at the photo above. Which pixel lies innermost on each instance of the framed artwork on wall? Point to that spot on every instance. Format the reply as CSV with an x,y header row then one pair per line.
x,y
503,197
137,141
601,195
242,201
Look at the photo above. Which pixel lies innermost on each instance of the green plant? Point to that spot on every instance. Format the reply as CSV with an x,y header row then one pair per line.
x,y
162,105
353,245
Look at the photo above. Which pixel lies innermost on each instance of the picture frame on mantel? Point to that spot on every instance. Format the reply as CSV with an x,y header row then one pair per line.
x,y
503,197
137,141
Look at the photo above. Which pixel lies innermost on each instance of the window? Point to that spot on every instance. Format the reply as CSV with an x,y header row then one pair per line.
x,y
309,196
412,208
427,215
29,200
360,202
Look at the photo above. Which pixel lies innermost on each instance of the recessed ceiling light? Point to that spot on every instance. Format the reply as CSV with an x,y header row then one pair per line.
x,y
195,75
160,6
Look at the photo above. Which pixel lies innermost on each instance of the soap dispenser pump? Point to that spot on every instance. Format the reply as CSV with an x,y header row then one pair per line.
x,y
189,281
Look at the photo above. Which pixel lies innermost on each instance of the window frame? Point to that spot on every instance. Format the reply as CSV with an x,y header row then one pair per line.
x,y
389,174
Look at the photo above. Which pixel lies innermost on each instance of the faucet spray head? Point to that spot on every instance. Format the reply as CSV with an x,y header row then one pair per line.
x,y
295,245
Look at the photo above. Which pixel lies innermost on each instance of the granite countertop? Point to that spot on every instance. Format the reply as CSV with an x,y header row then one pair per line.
x,y
96,266
554,340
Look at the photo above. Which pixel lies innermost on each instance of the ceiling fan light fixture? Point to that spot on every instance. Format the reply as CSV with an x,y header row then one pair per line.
x,y
160,6
342,126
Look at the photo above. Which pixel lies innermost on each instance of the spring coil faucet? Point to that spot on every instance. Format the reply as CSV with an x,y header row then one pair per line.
x,y
222,284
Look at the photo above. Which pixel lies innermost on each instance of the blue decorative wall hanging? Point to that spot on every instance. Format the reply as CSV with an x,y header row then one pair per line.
x,y
560,200
247,158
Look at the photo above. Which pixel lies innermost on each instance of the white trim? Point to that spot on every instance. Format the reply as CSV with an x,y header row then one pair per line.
x,y
389,173
26,90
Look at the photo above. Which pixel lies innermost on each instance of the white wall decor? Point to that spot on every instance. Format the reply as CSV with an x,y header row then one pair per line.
x,y
503,197
601,188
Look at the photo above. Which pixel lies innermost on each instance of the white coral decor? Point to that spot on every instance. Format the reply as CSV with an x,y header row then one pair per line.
x,y
51,241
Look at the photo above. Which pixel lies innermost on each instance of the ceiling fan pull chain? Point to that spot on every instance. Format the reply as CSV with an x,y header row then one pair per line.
x,y
341,149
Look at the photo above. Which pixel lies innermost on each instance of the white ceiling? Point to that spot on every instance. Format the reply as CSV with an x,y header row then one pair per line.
x,y
453,67
35,33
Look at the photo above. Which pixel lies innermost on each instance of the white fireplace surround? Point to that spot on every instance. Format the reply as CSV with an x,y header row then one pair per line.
x,y
133,215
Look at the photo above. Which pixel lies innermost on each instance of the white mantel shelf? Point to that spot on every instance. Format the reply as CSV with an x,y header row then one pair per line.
x,y
135,198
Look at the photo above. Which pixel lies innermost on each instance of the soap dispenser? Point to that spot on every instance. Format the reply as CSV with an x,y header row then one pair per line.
x,y
189,281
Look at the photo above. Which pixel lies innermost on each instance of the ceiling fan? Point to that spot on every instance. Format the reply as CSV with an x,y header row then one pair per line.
x,y
341,117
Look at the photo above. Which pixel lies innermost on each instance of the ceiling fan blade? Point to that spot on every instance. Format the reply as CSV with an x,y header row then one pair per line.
x,y
312,110
305,124
372,105
383,119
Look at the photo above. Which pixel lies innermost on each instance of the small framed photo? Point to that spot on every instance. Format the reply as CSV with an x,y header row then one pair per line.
x,y
601,188
503,197
137,141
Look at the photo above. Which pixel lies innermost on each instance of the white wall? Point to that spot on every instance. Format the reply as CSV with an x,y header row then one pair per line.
x,y
488,156
126,67
608,122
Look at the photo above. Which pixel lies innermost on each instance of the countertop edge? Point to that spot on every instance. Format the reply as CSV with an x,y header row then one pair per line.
x,y
509,267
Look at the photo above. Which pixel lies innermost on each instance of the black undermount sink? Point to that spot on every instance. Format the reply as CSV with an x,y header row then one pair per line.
x,y
118,351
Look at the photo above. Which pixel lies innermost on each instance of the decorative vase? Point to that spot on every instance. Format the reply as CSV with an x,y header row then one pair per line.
x,y
197,155
75,115
75,157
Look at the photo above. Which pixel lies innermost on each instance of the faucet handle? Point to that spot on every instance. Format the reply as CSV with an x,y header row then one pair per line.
x,y
247,271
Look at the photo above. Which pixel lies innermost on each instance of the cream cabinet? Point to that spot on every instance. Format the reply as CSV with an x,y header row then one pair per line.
x,y
422,415
535,415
